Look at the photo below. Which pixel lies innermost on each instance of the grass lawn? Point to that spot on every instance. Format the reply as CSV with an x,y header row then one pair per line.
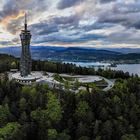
x,y
101,84
69,78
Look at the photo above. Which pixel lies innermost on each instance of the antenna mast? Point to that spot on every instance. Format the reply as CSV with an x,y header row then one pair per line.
x,y
25,24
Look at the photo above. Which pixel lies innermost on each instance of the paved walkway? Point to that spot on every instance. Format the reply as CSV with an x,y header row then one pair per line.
x,y
110,83
89,79
81,78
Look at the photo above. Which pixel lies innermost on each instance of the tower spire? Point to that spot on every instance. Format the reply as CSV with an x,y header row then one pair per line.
x,y
25,24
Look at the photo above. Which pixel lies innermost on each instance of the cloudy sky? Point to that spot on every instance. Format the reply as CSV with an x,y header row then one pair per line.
x,y
84,23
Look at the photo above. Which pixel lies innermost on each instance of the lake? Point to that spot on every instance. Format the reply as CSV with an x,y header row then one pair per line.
x,y
88,64
131,68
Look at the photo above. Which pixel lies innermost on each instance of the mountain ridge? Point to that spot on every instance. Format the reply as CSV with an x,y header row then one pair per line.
x,y
68,53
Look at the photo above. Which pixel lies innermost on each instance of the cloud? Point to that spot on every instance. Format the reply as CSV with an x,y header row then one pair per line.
x,y
54,25
107,1
68,3
43,28
67,39
73,21
13,10
123,14
5,43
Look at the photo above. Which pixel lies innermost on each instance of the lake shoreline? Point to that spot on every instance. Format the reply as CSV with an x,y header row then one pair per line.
x,y
131,68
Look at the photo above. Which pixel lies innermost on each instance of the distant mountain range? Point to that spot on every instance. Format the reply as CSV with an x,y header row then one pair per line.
x,y
70,53
124,50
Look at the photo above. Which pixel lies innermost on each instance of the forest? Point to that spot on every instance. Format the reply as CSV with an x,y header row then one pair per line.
x,y
39,113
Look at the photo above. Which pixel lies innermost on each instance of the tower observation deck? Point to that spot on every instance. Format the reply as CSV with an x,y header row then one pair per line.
x,y
25,60
25,76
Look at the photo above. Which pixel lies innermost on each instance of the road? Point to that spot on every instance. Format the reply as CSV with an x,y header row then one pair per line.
x,y
110,84
86,79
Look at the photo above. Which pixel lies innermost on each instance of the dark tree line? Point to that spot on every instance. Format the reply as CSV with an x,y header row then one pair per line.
x,y
73,69
9,62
